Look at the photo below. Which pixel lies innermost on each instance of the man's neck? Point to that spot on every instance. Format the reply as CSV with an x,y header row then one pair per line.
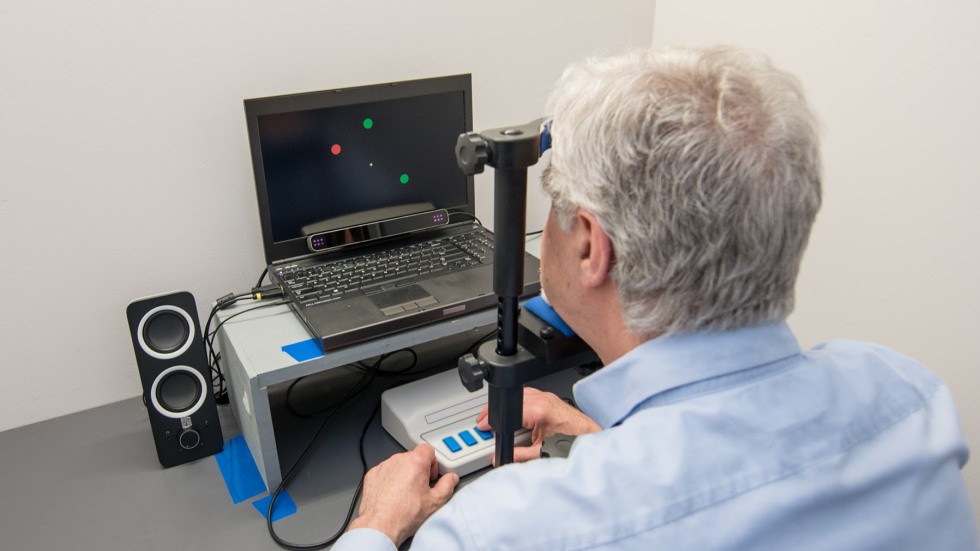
x,y
606,331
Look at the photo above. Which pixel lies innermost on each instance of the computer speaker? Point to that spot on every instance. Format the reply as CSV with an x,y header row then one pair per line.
x,y
176,378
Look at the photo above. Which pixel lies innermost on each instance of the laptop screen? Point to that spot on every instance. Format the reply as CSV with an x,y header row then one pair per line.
x,y
341,158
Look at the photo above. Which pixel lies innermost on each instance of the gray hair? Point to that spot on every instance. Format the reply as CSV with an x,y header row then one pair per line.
x,y
703,168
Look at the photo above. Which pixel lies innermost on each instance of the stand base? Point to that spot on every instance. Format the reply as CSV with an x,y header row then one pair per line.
x,y
438,410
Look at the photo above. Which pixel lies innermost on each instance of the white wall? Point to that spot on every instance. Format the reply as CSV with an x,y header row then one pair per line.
x,y
894,255
124,167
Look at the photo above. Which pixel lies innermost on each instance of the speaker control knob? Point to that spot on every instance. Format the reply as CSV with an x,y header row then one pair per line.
x,y
189,439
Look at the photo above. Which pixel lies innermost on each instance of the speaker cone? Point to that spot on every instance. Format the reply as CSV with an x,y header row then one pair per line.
x,y
178,391
165,332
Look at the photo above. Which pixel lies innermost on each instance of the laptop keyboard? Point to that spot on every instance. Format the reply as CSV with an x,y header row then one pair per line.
x,y
330,281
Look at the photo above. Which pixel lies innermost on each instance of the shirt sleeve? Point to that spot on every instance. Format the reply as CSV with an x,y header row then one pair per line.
x,y
364,539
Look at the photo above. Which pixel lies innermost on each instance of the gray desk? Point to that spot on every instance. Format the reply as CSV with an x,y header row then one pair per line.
x,y
92,481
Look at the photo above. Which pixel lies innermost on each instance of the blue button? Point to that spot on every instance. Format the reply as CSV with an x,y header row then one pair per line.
x,y
468,438
484,434
452,444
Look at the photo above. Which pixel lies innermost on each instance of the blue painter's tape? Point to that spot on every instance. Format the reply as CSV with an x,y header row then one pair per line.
x,y
239,471
285,506
543,310
303,350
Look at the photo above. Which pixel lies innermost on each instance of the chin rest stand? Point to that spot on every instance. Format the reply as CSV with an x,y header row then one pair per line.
x,y
526,347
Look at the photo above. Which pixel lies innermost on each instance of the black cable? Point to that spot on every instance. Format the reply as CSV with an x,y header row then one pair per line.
x,y
289,406
470,216
480,341
299,415
477,220
258,293
375,368
247,310
209,335
217,376
369,375
385,356
422,372
364,465
292,471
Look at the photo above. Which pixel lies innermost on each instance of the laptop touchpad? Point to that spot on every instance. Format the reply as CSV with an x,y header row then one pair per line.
x,y
403,299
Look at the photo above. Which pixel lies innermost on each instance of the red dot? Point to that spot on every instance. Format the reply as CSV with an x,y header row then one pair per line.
x,y
335,149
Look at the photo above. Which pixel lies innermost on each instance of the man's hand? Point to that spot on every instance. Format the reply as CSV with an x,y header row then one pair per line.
x,y
397,495
544,414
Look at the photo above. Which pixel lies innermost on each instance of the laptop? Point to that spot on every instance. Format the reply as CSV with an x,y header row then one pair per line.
x,y
368,223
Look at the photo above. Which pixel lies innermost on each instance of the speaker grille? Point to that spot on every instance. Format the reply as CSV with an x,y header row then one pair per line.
x,y
178,391
165,332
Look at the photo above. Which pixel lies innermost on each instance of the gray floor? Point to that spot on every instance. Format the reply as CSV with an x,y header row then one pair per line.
x,y
92,480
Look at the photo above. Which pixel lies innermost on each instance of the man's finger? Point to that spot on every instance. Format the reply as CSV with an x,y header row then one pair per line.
x,y
527,453
443,489
427,454
482,420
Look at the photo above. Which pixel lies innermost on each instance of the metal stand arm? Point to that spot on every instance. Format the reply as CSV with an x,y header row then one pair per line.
x,y
506,366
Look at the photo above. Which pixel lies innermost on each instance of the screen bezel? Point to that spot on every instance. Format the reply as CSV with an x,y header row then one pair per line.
x,y
290,249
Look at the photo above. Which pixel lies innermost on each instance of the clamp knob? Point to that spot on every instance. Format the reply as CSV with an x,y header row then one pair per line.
x,y
472,372
472,153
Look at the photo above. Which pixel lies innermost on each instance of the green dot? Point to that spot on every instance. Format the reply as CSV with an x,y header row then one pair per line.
x,y
403,178
368,123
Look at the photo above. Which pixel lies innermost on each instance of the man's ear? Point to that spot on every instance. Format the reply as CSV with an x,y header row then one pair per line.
x,y
594,250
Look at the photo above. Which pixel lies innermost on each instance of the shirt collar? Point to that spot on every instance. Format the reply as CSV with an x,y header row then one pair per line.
x,y
672,361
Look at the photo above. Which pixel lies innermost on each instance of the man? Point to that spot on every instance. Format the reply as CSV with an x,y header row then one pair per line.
x,y
684,184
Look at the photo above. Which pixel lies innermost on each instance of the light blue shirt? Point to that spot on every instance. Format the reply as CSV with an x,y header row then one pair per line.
x,y
733,440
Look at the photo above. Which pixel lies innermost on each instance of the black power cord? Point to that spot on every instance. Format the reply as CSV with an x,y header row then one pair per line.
x,y
262,276
370,372
467,215
217,376
358,387
377,371
214,358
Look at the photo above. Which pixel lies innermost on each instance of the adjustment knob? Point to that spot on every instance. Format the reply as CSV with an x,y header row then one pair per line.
x,y
472,153
189,439
472,372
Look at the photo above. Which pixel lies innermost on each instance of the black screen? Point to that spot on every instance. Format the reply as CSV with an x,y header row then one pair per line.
x,y
340,158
